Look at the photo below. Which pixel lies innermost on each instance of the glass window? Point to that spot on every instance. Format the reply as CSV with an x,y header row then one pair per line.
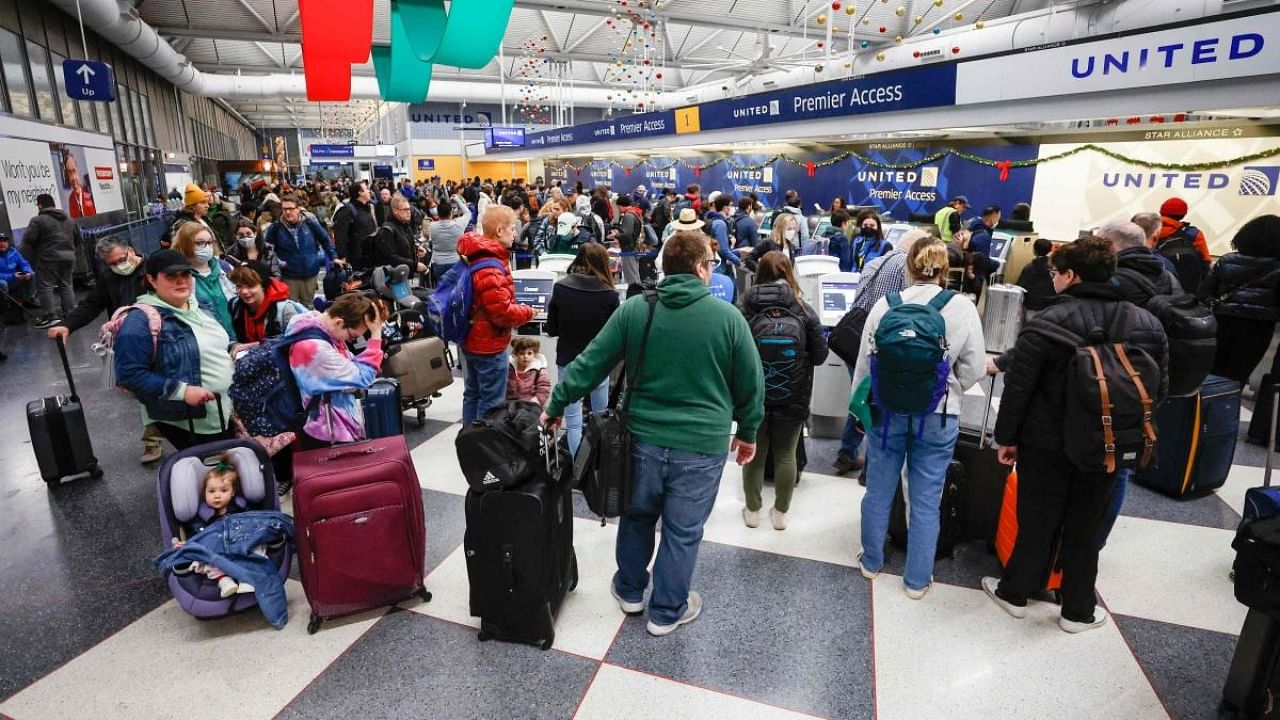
x,y
126,114
117,115
89,118
149,130
138,119
42,82
69,114
15,74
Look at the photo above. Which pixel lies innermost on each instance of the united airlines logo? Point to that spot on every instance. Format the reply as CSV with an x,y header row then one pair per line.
x,y
1260,180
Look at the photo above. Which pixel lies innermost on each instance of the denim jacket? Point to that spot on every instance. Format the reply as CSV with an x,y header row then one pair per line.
x,y
228,545
177,360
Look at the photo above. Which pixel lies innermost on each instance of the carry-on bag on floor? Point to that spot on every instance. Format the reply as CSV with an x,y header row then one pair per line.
x,y
1002,316
984,477
951,519
358,524
59,435
1197,440
520,558
383,416
421,366
1252,690
1264,502
507,448
1007,533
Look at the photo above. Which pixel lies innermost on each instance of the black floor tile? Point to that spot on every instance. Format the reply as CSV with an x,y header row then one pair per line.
x,y
1187,666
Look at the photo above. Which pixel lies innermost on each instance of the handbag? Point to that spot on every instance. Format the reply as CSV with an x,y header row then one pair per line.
x,y
603,469
845,339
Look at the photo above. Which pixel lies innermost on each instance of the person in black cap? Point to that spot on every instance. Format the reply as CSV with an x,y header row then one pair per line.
x,y
194,367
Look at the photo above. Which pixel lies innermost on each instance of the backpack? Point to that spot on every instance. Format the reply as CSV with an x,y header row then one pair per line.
x,y
1180,247
780,337
909,362
629,231
681,204
734,235
264,391
651,237
1107,422
111,328
1191,328
449,307
508,447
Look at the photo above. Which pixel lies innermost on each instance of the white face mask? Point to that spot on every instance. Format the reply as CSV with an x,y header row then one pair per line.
x,y
789,234
204,254
125,269
246,242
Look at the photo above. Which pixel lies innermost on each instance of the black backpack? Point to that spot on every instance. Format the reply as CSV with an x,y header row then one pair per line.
x,y
1107,422
1191,328
508,447
1189,266
629,231
781,339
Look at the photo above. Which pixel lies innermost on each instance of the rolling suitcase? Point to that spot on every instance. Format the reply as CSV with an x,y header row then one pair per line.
x,y
950,516
421,366
520,557
1252,690
358,524
1263,408
1002,316
984,478
59,435
382,414
1264,502
1197,440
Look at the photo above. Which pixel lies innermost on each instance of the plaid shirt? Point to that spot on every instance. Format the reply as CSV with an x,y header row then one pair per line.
x,y
877,284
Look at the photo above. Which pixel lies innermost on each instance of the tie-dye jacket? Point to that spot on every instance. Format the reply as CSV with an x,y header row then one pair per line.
x,y
329,368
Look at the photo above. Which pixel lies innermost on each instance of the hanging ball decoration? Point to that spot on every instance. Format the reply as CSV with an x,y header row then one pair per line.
x,y
835,5
850,10
658,75
879,57
937,31
848,65
916,54
955,50
818,68
864,44
822,19
866,21
919,19
979,25
897,39
959,17
937,3
821,44
901,11
884,29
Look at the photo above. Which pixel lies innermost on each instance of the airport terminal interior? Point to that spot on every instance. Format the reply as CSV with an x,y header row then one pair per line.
x,y
1031,124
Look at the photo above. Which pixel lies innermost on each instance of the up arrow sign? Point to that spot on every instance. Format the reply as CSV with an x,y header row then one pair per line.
x,y
89,80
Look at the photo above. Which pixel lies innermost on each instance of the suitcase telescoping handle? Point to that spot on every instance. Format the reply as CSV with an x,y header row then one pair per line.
x,y
66,366
1271,439
222,419
985,439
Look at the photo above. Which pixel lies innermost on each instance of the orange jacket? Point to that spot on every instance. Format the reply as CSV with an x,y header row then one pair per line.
x,y
494,310
1172,226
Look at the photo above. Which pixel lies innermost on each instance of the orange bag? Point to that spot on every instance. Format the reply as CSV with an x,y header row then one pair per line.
x,y
1007,532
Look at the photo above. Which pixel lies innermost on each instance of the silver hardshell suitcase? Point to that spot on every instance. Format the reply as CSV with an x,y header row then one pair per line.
x,y
1002,317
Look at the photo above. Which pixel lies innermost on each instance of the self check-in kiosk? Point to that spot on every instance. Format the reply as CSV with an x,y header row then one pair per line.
x,y
809,267
831,388
533,288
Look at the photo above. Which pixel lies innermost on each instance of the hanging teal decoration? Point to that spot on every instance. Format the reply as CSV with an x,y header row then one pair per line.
x,y
428,20
402,77
473,33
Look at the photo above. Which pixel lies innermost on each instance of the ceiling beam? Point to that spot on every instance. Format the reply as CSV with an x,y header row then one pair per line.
x,y
685,17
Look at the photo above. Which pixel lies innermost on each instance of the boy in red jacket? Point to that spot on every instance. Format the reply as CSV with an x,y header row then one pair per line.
x,y
494,313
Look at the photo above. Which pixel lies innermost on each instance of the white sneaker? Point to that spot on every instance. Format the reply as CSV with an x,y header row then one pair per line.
x,y
865,572
691,613
751,518
1099,619
630,608
779,519
989,585
226,586
244,589
917,594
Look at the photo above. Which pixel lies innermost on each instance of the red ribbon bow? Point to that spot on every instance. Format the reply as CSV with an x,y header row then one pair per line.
x,y
1003,166
810,168
697,171
626,171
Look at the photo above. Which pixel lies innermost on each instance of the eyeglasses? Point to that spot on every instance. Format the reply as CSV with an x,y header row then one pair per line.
x,y
204,243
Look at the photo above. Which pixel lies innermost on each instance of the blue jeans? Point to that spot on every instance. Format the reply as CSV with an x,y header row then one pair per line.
x,y
1113,510
927,458
680,487
852,438
573,412
486,385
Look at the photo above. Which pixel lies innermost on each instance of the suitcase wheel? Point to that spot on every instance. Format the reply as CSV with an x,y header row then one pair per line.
x,y
313,626
546,645
425,594
422,417
95,471
573,572
484,636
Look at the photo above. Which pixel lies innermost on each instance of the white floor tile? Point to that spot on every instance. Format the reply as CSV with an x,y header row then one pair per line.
x,y
955,654
168,664
589,618
618,692
1170,572
1239,480
822,524
436,462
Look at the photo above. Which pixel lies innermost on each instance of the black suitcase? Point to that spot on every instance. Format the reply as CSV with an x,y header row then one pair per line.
x,y
951,513
59,435
1197,440
1252,690
520,559
985,479
383,416
1260,425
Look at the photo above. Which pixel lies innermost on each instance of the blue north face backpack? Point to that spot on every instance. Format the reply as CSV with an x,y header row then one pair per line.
x,y
264,391
449,307
909,362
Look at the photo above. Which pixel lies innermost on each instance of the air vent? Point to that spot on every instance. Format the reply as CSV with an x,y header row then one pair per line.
x,y
926,55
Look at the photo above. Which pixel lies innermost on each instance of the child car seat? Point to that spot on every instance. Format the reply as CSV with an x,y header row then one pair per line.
x,y
178,490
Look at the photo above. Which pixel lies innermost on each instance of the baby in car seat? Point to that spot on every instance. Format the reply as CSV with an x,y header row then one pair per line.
x,y
221,491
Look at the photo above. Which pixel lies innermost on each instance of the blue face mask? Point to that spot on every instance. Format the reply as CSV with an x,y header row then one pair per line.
x,y
204,254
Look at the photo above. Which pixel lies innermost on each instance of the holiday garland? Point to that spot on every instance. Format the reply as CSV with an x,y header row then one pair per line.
x,y
1002,165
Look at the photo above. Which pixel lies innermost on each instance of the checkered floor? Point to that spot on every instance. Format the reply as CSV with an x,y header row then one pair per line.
x,y
789,629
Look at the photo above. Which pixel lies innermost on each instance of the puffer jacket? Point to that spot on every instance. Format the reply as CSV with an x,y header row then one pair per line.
x,y
533,384
395,244
50,237
1144,262
299,246
1244,286
12,263
1035,384
494,310
779,294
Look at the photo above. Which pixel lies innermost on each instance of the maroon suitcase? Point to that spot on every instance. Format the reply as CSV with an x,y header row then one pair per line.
x,y
358,527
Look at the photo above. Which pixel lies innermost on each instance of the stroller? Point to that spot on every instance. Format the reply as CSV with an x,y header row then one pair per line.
x,y
178,490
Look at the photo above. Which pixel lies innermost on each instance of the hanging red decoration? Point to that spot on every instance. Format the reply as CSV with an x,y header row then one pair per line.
x,y
1156,118
1003,166
626,171
810,168
334,36
697,171
1180,117
1133,121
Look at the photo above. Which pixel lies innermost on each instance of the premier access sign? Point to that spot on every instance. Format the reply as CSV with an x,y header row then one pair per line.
x,y
89,80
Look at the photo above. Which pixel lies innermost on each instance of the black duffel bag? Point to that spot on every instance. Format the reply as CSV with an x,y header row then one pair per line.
x,y
1257,565
507,447
845,339
603,468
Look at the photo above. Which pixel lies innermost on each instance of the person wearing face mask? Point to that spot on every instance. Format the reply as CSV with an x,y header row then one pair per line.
x,y
176,374
250,246
782,238
328,368
213,289
870,243
120,282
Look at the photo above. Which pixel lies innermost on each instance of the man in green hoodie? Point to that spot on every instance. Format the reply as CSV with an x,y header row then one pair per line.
x,y
701,372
